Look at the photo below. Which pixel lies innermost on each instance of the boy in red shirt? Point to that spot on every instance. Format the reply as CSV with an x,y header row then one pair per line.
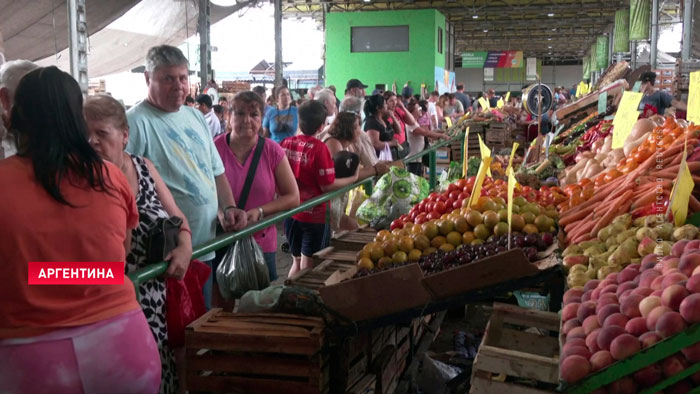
x,y
313,168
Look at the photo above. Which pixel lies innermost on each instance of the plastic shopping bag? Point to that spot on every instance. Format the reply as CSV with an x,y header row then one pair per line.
x,y
385,154
242,269
185,301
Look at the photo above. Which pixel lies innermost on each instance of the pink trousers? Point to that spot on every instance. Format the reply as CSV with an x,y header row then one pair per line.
x,y
117,355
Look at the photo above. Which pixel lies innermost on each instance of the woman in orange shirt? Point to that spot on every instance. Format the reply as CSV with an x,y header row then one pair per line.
x,y
66,205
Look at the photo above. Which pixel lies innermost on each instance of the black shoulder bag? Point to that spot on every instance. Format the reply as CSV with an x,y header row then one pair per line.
x,y
243,198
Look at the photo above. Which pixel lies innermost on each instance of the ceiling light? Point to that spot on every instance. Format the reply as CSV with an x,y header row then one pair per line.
x,y
475,16
549,39
486,31
550,14
367,1
555,29
225,3
550,47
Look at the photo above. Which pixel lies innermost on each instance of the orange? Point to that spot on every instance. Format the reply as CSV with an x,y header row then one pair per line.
x,y
429,251
430,229
390,247
421,242
384,262
481,232
365,263
381,236
376,252
414,255
490,219
460,224
474,218
406,244
517,222
530,229
447,247
454,238
445,226
467,237
437,241
399,257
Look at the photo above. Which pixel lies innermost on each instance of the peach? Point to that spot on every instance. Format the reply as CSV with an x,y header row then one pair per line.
x,y
606,311
672,278
696,271
630,306
625,287
656,283
624,346
596,293
648,262
649,375
670,264
690,308
572,293
592,341
576,332
636,326
591,285
693,283
626,275
673,365
578,350
642,291
692,245
585,309
669,323
609,289
590,324
573,342
654,316
657,293
569,325
678,247
688,263
649,338
574,368
681,387
646,305
647,277
692,353
600,360
673,295
625,385
569,311
607,335
586,296
616,319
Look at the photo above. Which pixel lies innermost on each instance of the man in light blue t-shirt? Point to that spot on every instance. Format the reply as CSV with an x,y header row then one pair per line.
x,y
177,140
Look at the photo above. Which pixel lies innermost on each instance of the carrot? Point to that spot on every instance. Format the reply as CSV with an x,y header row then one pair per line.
x,y
576,216
583,228
582,238
612,212
647,198
677,160
694,204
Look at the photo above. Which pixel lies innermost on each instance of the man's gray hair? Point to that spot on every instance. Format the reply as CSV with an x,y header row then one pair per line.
x,y
324,96
11,73
164,55
351,104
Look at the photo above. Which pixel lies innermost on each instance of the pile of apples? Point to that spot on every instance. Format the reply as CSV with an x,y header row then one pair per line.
x,y
611,319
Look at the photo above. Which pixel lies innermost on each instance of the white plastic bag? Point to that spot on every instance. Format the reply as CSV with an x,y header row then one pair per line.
x,y
385,154
242,269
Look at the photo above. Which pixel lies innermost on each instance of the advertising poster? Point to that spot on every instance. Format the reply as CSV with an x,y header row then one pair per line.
x,y
492,59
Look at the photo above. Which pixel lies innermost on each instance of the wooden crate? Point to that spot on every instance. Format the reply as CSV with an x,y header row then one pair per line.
x,y
517,354
313,278
337,255
366,385
352,240
256,353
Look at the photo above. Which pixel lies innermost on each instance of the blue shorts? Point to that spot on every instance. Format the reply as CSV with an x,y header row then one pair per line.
x,y
306,238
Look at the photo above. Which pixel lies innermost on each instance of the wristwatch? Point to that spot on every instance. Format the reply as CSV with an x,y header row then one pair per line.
x,y
261,213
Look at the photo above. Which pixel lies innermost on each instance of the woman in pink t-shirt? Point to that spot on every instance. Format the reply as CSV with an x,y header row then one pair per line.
x,y
274,187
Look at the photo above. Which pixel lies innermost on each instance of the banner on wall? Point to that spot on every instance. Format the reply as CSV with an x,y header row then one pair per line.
x,y
601,57
531,69
492,59
640,19
622,31
444,80
488,74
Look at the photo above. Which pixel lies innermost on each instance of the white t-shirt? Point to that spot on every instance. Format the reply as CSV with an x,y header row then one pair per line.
x,y
432,112
213,122
416,143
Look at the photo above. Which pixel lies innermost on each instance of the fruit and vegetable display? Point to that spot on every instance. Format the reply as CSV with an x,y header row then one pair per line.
x,y
470,232
614,318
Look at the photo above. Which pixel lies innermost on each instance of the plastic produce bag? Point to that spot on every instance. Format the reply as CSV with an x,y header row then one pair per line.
x,y
242,269
398,188
185,301
434,376
385,154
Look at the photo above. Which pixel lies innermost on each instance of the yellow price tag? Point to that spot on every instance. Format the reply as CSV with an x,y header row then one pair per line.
x,y
682,189
484,103
500,103
476,191
507,97
511,189
694,98
512,155
485,152
448,121
465,154
625,118
465,116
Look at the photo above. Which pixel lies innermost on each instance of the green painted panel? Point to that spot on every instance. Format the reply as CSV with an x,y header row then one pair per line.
x,y
415,65
622,31
640,19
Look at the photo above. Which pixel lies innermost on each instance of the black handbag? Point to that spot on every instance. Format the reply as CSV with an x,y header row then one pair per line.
x,y
162,238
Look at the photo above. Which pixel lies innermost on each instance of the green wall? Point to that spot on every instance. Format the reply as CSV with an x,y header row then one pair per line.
x,y
417,65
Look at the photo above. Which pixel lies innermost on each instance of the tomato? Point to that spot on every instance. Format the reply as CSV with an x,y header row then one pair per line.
x,y
461,184
442,199
457,204
440,207
454,194
412,215
396,224
463,195
448,204
452,187
611,175
421,218
433,215
421,206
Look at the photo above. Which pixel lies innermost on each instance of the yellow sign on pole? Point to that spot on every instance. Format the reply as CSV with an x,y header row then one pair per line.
x,y
448,120
682,189
507,97
511,189
485,152
625,118
500,103
476,191
465,154
512,155
484,103
694,98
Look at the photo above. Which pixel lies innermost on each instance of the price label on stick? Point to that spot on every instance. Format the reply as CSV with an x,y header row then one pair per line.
x,y
682,189
512,155
602,102
511,189
484,104
694,98
448,120
485,152
507,96
476,190
500,103
465,153
625,118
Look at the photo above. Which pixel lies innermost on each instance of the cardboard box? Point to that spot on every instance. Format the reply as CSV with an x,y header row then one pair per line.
x,y
442,155
377,295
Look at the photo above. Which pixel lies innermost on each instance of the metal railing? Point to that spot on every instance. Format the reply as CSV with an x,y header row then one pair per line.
x,y
152,271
